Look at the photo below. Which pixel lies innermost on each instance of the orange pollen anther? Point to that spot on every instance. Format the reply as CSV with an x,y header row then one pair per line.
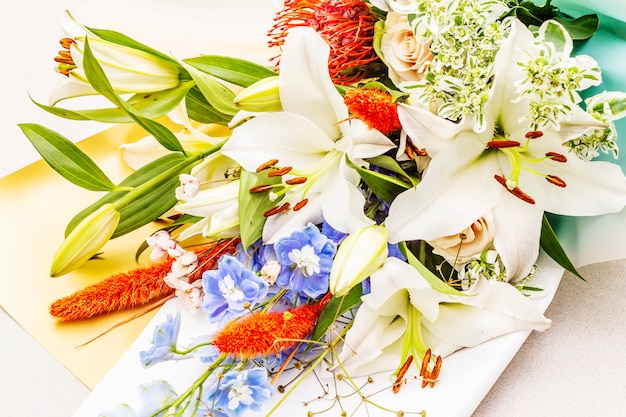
x,y
277,209
266,165
430,377
534,134
557,157
403,369
553,179
300,204
498,144
517,192
64,58
279,172
296,180
261,188
267,333
375,107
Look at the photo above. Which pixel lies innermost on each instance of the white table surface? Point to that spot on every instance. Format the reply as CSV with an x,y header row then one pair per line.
x,y
576,368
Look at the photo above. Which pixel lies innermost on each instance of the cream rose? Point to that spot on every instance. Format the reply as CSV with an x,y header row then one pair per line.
x,y
461,247
406,55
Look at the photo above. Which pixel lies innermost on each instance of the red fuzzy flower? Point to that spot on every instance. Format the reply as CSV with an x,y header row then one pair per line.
x,y
375,107
346,25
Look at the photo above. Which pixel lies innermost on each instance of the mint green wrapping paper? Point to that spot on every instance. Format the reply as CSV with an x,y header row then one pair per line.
x,y
590,240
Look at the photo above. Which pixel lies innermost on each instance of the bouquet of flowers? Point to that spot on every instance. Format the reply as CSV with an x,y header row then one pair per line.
x,y
372,200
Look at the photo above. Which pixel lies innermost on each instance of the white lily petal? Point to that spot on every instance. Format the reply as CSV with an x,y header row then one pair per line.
x,y
426,129
211,200
67,88
366,142
141,152
338,192
223,224
579,123
305,84
292,139
517,238
494,309
436,207
193,230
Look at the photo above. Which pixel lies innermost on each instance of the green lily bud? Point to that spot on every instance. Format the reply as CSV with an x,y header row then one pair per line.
x,y
358,256
85,240
260,96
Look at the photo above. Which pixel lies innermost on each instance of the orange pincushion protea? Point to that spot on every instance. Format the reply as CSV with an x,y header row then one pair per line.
x,y
375,107
346,25
267,333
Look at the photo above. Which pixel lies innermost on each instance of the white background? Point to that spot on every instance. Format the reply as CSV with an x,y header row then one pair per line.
x,y
577,368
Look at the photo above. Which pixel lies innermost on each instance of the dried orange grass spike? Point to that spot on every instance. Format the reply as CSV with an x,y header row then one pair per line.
x,y
267,333
134,288
118,292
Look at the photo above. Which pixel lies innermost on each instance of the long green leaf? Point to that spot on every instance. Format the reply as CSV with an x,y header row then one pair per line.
x,y
200,110
551,245
334,309
233,70
148,206
66,158
121,39
431,278
253,205
98,80
216,93
384,186
151,106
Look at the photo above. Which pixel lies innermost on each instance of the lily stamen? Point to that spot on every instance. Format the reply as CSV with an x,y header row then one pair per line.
x,y
553,179
516,191
266,165
503,143
557,157
400,378
279,172
261,188
534,134
300,204
277,209
296,180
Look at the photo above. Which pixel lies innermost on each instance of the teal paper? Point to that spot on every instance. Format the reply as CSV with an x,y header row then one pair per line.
x,y
600,238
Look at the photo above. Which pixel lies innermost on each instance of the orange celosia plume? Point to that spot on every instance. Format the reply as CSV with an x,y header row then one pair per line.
x,y
375,107
134,288
267,333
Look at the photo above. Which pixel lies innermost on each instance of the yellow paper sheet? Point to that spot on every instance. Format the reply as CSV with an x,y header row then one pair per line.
x,y
36,204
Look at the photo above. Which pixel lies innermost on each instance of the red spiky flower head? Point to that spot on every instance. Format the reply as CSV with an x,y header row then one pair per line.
x,y
346,25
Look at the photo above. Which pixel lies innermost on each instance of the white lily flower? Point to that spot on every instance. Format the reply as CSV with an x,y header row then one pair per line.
x,y
402,307
312,136
128,70
507,168
211,200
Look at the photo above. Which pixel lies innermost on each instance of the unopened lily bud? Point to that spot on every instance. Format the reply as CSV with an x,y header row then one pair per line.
x,y
260,96
358,256
85,240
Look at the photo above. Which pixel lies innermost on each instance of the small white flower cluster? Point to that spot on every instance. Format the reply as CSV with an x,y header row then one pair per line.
x,y
552,79
163,246
606,107
488,264
466,35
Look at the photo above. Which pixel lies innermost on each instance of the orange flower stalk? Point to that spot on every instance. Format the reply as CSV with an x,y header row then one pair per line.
x,y
135,288
267,333
375,107
346,25
118,292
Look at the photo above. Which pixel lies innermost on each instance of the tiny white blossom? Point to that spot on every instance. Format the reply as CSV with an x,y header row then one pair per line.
x,y
189,187
306,260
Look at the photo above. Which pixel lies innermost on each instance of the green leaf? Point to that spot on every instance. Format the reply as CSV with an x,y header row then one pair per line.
x,y
200,110
581,28
149,105
149,205
550,244
233,70
432,279
66,158
334,309
98,80
384,186
216,93
555,33
253,205
391,164
121,39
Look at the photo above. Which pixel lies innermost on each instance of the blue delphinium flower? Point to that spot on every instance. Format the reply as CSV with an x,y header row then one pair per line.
x,y
230,289
237,392
306,258
155,396
164,340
